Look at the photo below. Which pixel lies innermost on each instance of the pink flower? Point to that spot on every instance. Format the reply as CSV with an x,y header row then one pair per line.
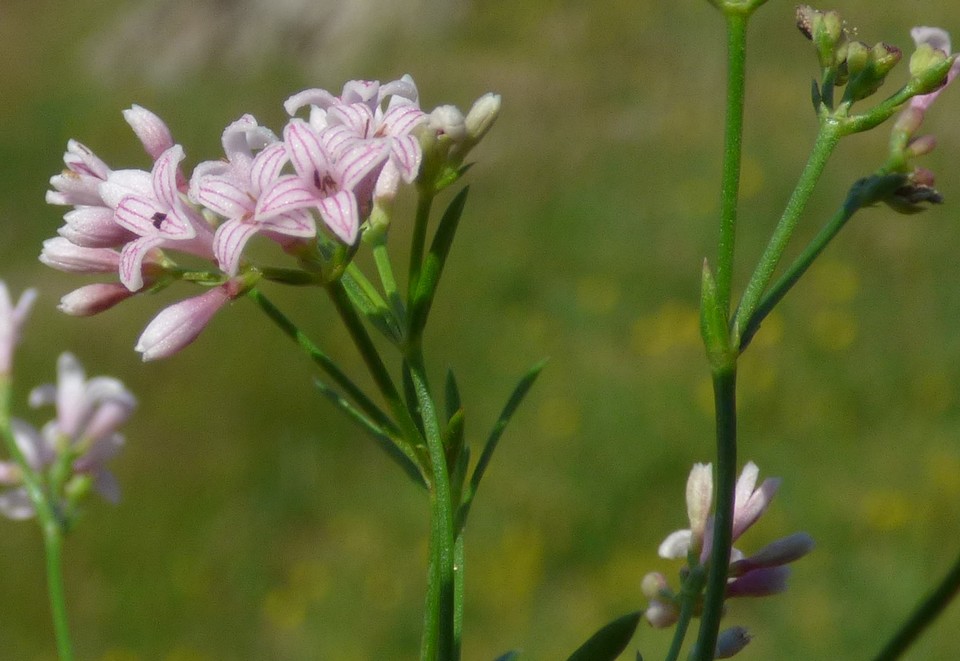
x,y
370,111
329,166
160,218
231,189
79,184
181,323
12,318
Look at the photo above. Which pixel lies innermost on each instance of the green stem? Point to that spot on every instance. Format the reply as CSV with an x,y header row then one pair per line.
x,y
725,402
827,138
385,268
53,542
732,150
371,358
51,527
927,611
441,618
690,593
790,277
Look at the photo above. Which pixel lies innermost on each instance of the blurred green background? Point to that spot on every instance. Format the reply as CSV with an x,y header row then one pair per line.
x,y
258,524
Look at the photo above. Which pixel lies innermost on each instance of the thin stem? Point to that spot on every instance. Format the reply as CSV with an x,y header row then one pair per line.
x,y
827,138
459,557
53,542
692,587
51,527
927,611
732,150
725,402
418,243
790,277
385,268
440,639
371,357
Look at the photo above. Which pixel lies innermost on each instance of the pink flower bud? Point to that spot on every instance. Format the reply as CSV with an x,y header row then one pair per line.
x,y
180,324
61,254
152,131
94,299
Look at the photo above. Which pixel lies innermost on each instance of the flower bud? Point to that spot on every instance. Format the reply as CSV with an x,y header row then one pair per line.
x,y
152,131
94,299
482,115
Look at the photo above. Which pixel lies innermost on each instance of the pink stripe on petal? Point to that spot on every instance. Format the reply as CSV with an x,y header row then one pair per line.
x,y
335,139
286,194
303,146
131,261
297,223
223,196
402,118
359,161
341,215
136,214
229,241
165,175
267,166
356,116
407,155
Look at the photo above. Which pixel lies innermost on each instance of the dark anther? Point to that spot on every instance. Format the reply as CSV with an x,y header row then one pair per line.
x,y
158,219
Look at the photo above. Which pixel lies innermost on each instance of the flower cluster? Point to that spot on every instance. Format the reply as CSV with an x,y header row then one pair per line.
x,y
311,190
67,457
761,574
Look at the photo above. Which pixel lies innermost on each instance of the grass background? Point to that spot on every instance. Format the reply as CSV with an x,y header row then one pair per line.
x,y
257,524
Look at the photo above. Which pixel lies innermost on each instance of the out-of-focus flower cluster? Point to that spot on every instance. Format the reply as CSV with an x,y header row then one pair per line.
x,y
861,69
905,142
68,455
311,190
760,574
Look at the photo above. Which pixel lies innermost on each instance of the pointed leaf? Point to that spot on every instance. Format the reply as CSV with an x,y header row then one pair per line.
x,y
509,656
383,440
610,641
452,395
410,397
519,392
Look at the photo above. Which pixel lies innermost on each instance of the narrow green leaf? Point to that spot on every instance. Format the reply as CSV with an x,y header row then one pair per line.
x,y
434,262
509,656
370,304
519,392
452,402
382,438
410,397
610,641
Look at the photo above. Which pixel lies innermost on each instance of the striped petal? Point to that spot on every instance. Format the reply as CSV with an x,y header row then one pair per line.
x,y
340,213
